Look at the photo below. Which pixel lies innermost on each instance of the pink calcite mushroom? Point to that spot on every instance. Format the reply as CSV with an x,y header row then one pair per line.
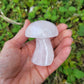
x,y
42,30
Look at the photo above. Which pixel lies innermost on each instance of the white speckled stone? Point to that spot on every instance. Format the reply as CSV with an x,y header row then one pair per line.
x,y
42,31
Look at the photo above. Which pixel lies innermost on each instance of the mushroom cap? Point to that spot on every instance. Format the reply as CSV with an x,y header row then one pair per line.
x,y
41,29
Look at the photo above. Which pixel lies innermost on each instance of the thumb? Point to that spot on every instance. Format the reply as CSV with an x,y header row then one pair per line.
x,y
20,38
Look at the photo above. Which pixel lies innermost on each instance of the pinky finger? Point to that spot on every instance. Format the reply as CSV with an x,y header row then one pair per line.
x,y
59,59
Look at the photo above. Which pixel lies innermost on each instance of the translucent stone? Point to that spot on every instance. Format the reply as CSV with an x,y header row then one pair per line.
x,y
42,30
43,54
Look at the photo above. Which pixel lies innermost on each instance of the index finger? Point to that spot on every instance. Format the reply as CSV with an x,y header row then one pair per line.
x,y
61,27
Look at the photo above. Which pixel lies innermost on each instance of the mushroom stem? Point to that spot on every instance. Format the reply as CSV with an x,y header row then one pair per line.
x,y
43,54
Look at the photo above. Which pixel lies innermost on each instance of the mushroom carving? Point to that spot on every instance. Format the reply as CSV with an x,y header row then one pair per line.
x,y
42,30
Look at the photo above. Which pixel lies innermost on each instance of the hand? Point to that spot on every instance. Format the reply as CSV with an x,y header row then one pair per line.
x,y
15,58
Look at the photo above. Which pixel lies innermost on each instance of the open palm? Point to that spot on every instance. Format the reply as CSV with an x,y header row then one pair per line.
x,y
15,58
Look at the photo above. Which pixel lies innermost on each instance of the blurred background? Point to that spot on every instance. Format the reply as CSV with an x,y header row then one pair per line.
x,y
70,12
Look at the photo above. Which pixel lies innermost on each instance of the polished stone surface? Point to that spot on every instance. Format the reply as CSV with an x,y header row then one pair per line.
x,y
41,29
43,54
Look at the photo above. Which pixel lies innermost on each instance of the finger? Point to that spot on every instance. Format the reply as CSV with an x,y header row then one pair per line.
x,y
20,38
64,43
61,27
60,58
62,35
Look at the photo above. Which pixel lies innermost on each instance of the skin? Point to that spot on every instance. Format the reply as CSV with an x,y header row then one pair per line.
x,y
15,58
